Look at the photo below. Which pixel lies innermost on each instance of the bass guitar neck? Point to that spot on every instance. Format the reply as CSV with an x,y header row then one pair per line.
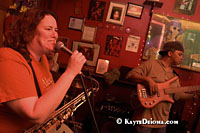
x,y
163,93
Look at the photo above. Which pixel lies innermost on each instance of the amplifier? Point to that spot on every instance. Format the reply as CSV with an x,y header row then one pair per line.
x,y
114,109
107,114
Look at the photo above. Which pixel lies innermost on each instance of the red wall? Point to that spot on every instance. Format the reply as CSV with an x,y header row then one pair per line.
x,y
139,27
103,29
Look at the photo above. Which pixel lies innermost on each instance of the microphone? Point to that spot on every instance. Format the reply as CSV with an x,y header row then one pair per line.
x,y
61,45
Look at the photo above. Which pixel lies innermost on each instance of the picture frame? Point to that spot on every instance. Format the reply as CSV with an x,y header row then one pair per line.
x,y
90,51
76,23
89,33
132,43
63,39
134,10
113,45
116,13
185,7
96,10
102,66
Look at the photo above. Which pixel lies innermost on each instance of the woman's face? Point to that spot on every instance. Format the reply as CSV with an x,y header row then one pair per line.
x,y
116,15
46,35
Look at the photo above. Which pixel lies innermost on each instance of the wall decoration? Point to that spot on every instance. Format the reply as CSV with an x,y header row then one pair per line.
x,y
134,10
65,40
90,51
164,29
102,66
96,10
75,23
113,45
132,43
20,6
116,13
89,33
185,6
128,30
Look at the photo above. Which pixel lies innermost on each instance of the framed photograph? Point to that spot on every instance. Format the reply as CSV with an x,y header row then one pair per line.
x,y
132,43
65,40
90,51
116,13
134,10
76,23
185,6
96,10
89,33
102,66
113,45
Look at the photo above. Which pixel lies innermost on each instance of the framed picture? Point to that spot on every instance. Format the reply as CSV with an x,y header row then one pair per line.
x,y
132,43
65,40
96,10
185,6
116,13
113,45
90,51
76,23
89,33
102,66
134,10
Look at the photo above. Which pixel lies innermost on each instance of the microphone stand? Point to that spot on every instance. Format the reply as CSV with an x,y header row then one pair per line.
x,y
87,99
59,45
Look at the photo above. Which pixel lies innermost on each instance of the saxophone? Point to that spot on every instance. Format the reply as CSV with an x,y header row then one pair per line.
x,y
57,118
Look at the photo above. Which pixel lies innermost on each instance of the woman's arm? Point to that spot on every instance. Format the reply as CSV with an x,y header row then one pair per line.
x,y
38,109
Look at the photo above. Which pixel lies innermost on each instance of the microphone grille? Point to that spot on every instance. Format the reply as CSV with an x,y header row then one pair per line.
x,y
59,45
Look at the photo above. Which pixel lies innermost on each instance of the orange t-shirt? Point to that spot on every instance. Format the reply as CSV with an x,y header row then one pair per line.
x,y
16,81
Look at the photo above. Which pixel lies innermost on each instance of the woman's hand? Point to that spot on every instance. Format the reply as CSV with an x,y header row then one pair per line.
x,y
76,62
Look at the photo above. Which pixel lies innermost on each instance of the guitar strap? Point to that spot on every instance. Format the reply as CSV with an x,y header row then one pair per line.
x,y
178,77
35,80
176,73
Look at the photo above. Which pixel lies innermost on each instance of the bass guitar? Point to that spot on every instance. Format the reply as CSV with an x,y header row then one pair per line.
x,y
149,101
